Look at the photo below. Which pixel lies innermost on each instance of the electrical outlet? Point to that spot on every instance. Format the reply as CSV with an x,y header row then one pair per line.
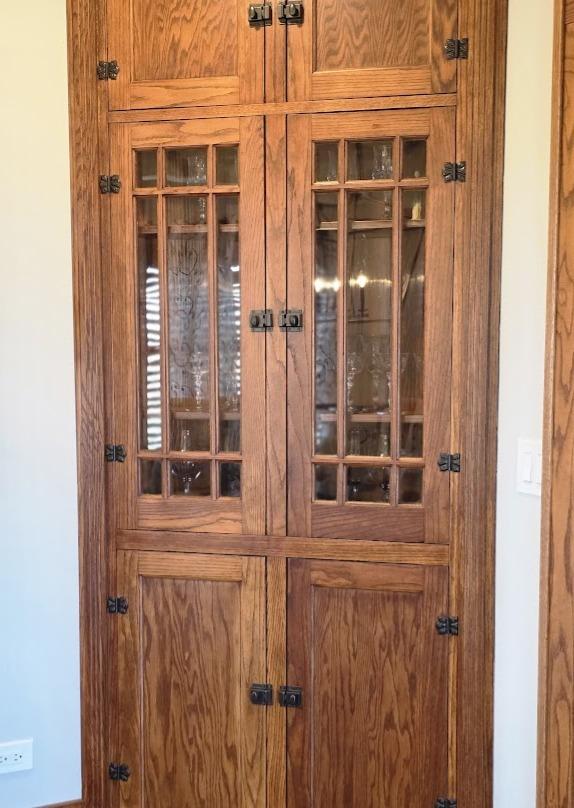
x,y
16,756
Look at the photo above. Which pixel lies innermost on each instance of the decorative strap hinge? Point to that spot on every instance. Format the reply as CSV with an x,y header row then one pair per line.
x,y
115,453
445,802
110,184
454,172
261,694
290,696
117,606
447,626
259,14
107,70
449,462
456,49
289,13
119,772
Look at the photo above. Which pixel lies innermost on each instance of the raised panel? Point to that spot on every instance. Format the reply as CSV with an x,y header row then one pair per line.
x,y
373,726
175,53
190,645
367,48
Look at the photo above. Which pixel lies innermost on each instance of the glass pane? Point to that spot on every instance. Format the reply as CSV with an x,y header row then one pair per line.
x,y
326,162
369,320
149,325
229,322
368,484
230,479
412,334
190,478
227,165
186,166
150,476
414,159
370,160
189,397
326,482
327,285
410,486
146,169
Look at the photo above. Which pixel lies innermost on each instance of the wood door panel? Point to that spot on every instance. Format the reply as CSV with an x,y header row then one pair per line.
x,y
175,53
190,645
371,48
372,729
405,327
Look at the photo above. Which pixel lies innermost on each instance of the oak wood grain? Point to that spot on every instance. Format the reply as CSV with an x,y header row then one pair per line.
x,y
372,728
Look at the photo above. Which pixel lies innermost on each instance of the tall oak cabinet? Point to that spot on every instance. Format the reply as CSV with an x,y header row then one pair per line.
x,y
286,244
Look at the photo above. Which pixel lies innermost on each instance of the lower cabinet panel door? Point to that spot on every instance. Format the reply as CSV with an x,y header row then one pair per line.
x,y
372,728
191,643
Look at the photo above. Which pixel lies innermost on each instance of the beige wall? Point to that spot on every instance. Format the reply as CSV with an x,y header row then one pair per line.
x,y
38,558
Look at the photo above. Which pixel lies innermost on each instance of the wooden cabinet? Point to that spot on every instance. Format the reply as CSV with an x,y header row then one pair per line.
x,y
292,328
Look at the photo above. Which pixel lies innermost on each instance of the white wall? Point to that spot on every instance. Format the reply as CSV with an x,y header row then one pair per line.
x,y
38,558
521,390
39,680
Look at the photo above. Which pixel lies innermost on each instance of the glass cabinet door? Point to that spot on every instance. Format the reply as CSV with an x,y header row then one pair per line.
x,y
185,366
371,48
369,377
172,54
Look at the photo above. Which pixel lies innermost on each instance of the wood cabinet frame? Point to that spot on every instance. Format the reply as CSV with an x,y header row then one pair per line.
x,y
479,113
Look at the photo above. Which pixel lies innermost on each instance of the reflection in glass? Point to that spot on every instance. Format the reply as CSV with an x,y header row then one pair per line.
x,y
186,166
366,484
414,159
149,325
327,285
230,479
229,322
370,160
326,162
146,168
150,476
190,478
227,165
412,334
369,320
410,486
188,323
325,482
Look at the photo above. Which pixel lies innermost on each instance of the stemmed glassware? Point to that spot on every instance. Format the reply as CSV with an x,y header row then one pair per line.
x,y
355,365
198,373
382,161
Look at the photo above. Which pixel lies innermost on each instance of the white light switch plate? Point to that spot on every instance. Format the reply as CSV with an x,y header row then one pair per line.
x,y
16,756
529,466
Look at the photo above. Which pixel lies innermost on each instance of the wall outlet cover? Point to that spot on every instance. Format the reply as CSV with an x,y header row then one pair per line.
x,y
529,466
16,756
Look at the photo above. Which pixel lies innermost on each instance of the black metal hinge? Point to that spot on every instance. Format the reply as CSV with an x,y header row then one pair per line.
x,y
259,14
110,184
119,771
261,320
446,625
107,70
454,172
261,694
115,453
456,49
290,696
449,462
289,13
117,605
291,320
445,802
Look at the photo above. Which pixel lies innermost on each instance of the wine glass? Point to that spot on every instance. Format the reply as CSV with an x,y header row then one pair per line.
x,y
382,161
198,373
355,365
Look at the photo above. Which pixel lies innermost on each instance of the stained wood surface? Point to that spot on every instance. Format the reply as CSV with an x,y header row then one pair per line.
x,y
194,637
372,729
169,56
370,48
556,700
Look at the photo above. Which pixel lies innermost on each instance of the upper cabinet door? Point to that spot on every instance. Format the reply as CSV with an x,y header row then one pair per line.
x,y
186,388
370,251
368,48
184,52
